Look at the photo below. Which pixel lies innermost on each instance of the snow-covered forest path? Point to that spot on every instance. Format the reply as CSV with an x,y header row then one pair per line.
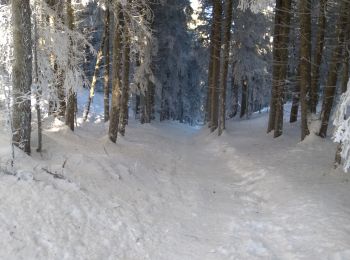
x,y
170,191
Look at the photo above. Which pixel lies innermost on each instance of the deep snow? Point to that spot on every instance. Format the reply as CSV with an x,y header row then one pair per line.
x,y
170,191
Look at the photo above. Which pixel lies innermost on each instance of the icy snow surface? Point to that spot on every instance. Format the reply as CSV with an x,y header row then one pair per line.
x,y
170,191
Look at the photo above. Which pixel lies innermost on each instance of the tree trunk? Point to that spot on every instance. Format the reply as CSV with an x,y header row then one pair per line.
x,y
226,54
107,64
210,76
331,85
71,97
117,84
345,76
215,83
305,65
234,89
234,100
149,99
296,98
282,67
244,103
35,81
124,113
142,108
316,63
96,72
275,65
137,105
22,74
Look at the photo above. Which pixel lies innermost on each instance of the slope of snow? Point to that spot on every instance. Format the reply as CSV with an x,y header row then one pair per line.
x,y
169,191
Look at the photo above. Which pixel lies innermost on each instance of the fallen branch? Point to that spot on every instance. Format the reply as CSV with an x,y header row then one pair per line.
x,y
55,175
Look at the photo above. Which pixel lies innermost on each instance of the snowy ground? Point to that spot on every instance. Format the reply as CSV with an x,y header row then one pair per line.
x,y
169,191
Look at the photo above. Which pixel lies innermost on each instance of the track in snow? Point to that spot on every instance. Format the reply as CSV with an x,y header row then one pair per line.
x,y
168,191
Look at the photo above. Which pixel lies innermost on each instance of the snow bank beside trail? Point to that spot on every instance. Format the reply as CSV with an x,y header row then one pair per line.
x,y
51,211
44,221
84,197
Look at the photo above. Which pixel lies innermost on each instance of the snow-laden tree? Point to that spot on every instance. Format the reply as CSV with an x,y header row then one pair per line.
x,y
341,134
174,62
44,36
255,6
251,59
5,63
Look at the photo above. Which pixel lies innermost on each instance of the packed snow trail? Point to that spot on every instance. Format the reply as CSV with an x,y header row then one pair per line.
x,y
169,191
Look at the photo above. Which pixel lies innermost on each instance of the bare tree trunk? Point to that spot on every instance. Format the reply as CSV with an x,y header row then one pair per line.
x,y
148,101
337,159
226,55
345,79
137,105
96,73
142,109
210,78
234,100
332,78
217,19
22,73
296,98
282,67
234,88
316,64
107,64
35,81
124,113
117,84
275,66
71,98
305,65
244,103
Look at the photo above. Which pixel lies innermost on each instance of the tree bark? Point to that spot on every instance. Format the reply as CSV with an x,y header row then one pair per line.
x,y
149,102
244,102
296,98
234,89
107,64
22,74
215,83
226,55
275,66
316,64
346,65
305,65
117,84
35,81
71,97
142,108
124,113
210,76
282,64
